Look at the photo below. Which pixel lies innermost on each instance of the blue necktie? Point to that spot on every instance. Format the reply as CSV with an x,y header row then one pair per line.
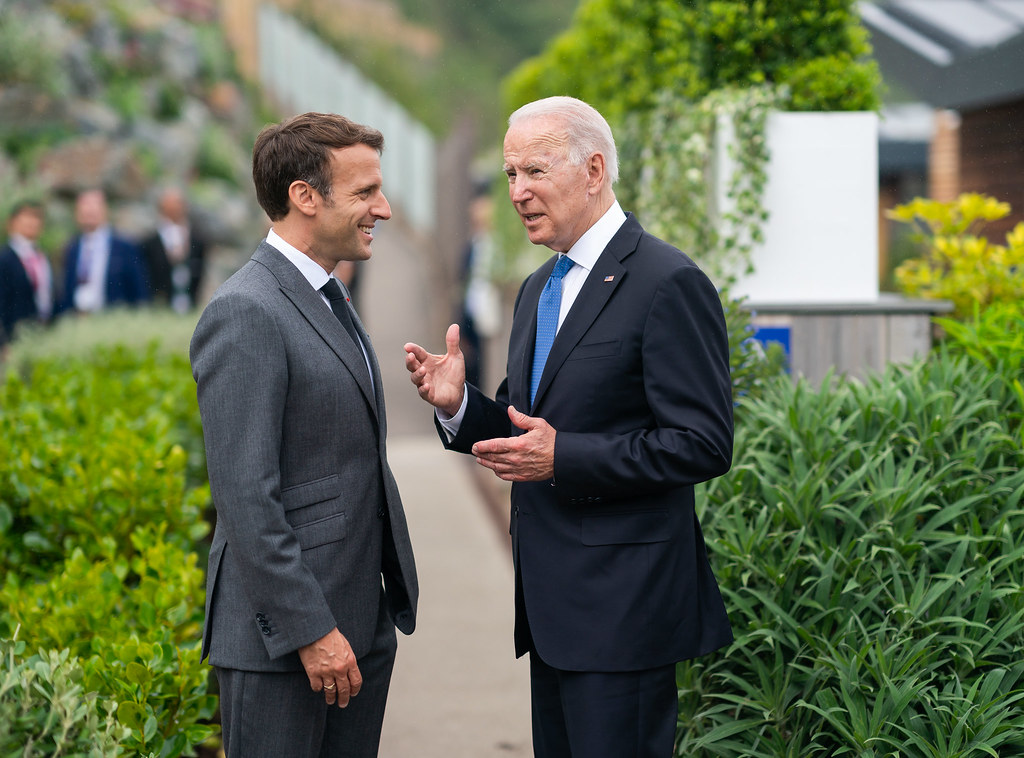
x,y
547,320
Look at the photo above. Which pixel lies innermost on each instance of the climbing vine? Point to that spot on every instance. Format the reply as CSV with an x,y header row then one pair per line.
x,y
674,178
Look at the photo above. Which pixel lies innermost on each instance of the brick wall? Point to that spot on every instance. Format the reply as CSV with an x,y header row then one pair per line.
x,y
944,157
992,159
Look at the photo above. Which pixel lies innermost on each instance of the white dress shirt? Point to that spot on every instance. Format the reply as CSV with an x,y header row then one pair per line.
x,y
93,260
584,255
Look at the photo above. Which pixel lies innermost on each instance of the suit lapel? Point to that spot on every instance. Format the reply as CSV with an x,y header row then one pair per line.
x,y
313,309
603,280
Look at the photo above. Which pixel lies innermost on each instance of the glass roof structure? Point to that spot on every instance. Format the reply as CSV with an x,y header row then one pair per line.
x,y
962,54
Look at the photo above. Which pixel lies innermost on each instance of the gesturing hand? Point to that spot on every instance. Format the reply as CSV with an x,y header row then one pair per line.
x,y
439,379
529,457
331,667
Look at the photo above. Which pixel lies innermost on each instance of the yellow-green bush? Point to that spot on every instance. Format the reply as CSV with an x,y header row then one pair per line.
x,y
959,264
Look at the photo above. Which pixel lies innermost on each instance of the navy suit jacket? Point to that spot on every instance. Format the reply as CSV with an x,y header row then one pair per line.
x,y
17,299
126,274
611,567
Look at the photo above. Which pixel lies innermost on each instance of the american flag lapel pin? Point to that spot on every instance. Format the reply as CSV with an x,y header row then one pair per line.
x,y
609,278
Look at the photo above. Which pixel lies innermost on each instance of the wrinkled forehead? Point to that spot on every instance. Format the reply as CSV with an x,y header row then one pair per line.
x,y
535,141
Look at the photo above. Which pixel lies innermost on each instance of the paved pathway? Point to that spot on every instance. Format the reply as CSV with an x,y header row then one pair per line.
x,y
457,690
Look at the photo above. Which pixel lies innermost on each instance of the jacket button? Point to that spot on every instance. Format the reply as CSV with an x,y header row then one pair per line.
x,y
380,513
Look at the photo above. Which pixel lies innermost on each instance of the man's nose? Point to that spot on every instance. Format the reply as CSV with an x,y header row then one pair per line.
x,y
520,190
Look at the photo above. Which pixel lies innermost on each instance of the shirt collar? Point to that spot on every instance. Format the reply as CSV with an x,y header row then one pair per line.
x,y
310,269
22,246
589,247
99,237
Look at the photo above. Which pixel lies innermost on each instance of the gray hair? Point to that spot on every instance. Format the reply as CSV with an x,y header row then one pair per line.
x,y
588,132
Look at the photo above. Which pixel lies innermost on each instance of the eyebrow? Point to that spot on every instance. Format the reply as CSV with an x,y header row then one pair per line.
x,y
527,166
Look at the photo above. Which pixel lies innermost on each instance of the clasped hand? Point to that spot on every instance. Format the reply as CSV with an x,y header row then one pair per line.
x,y
527,457
441,381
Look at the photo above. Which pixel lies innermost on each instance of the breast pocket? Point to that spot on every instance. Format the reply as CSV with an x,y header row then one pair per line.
x,y
587,351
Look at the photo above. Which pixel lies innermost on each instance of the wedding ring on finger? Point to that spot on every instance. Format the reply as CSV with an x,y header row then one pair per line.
x,y
330,686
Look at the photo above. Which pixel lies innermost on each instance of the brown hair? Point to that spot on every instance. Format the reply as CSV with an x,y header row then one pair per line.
x,y
298,149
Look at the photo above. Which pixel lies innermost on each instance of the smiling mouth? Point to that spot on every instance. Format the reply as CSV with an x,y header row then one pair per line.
x,y
366,230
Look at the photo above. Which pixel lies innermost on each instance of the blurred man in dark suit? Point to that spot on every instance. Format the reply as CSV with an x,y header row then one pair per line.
x,y
26,279
175,254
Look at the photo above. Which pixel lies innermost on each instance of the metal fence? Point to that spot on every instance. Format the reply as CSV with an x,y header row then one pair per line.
x,y
302,74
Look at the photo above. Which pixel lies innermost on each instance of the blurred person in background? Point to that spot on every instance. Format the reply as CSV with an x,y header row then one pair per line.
x,y
101,267
480,313
175,254
26,278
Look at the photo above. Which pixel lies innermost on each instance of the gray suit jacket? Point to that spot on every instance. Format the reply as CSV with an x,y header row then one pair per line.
x,y
308,513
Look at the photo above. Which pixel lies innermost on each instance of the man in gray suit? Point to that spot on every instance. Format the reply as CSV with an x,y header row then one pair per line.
x,y
311,568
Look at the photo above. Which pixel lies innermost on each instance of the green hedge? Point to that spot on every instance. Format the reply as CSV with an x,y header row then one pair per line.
x,y
103,500
869,541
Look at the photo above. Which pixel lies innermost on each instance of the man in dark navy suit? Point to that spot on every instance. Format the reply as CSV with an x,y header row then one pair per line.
x,y
26,279
101,268
174,254
617,401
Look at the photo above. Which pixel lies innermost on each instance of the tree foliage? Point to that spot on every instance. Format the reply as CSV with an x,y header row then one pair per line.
x,y
620,54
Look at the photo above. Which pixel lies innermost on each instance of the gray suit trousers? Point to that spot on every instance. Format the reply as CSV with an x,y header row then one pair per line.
x,y
303,725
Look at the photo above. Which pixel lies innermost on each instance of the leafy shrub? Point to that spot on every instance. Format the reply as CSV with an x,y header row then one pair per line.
x,y
92,449
134,623
44,709
868,541
960,265
139,331
102,492
994,336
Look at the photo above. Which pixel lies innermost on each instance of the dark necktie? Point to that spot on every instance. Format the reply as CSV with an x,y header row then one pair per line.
x,y
340,308
547,320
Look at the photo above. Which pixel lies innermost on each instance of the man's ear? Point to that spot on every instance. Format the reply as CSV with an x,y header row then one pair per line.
x,y
595,173
303,198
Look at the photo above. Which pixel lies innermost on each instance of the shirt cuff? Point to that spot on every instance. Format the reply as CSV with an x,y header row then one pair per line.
x,y
451,424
